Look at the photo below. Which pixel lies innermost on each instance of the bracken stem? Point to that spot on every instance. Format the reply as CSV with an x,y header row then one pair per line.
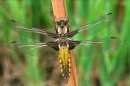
x,y
59,10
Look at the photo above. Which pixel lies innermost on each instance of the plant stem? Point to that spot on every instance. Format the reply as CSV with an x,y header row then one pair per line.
x,y
59,10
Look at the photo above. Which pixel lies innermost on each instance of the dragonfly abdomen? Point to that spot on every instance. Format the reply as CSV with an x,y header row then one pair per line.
x,y
65,66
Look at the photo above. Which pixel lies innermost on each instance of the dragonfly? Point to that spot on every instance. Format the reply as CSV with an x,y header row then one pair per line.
x,y
63,42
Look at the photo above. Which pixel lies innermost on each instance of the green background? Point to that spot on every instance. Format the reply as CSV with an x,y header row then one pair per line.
x,y
110,69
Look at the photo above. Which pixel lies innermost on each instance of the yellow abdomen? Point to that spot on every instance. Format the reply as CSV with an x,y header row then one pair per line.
x,y
65,66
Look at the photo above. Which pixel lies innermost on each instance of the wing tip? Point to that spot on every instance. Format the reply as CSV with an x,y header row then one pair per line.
x,y
13,20
109,13
119,41
13,42
114,37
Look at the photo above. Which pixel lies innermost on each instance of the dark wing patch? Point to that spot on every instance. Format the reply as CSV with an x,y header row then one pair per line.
x,y
71,34
53,35
73,44
53,45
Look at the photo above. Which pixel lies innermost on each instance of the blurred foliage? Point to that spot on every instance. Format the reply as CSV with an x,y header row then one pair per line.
x,y
110,69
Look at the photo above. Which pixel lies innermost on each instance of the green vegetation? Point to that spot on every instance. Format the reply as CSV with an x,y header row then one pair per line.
x,y
110,68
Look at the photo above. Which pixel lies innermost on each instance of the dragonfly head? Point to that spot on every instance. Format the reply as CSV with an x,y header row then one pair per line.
x,y
62,25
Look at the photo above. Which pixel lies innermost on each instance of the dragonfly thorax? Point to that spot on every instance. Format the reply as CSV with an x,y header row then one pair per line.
x,y
63,41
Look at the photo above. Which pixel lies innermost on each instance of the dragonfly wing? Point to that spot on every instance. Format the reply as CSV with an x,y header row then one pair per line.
x,y
53,35
46,57
53,45
26,48
97,25
25,30
71,34
101,44
73,44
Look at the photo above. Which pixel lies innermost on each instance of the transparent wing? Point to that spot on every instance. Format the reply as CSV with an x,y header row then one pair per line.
x,y
36,49
90,53
26,48
99,24
25,30
46,57
100,44
18,26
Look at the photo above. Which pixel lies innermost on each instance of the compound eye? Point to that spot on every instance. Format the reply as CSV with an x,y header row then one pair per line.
x,y
59,30
65,29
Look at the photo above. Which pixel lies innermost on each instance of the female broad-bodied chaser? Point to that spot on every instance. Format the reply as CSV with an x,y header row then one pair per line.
x,y
63,42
